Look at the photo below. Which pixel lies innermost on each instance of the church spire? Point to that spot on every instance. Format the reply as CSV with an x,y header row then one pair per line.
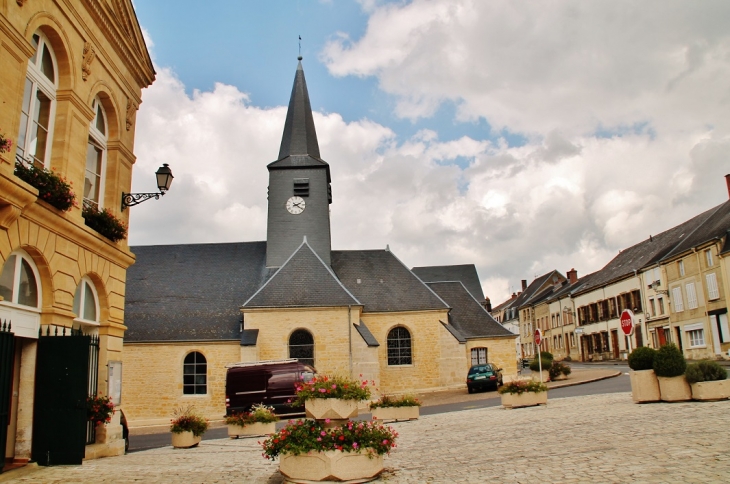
x,y
300,137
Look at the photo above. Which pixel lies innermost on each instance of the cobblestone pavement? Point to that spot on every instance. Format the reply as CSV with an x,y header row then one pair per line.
x,y
595,438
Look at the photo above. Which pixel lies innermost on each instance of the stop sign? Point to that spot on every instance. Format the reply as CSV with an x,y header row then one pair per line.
x,y
538,337
627,322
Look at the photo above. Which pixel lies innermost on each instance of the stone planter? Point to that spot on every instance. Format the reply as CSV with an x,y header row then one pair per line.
x,y
253,429
395,413
330,408
545,376
711,390
332,465
674,389
526,399
185,440
644,386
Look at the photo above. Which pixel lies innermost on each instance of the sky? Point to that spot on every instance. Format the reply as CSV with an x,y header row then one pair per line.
x,y
520,136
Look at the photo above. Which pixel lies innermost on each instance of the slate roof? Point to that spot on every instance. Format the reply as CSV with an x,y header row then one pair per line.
x,y
454,332
366,335
466,273
468,316
299,145
304,280
191,292
715,226
385,283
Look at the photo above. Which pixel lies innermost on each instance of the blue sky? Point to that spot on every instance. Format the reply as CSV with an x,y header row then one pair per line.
x,y
516,135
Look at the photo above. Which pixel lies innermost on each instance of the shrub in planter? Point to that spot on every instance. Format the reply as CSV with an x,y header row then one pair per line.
x,y
258,414
522,386
187,420
104,222
401,401
404,407
546,362
52,188
557,369
642,358
669,361
324,386
704,371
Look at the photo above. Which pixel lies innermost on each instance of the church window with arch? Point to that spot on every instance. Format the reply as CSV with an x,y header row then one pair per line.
x,y
86,303
19,282
39,104
301,346
399,347
195,374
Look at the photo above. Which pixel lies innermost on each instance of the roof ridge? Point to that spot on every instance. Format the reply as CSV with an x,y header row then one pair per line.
x,y
418,278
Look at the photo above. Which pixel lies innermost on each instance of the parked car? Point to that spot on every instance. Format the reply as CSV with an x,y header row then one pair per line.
x,y
482,377
271,383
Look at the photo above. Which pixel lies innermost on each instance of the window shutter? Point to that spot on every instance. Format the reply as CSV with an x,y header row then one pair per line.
x,y
691,296
712,291
677,299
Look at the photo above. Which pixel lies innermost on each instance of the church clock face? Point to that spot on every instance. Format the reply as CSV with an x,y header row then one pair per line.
x,y
295,205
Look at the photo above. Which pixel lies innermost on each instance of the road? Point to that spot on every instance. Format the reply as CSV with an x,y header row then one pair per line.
x,y
490,399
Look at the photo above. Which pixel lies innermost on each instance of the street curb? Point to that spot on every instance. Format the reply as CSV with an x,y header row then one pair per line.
x,y
572,384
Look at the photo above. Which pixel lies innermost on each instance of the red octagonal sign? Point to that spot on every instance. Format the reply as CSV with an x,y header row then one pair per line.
x,y
538,337
627,322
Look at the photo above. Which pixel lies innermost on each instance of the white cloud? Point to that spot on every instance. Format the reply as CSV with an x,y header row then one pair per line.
x,y
625,112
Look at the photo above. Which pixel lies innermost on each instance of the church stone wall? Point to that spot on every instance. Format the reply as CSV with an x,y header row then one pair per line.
x,y
365,361
329,327
425,329
454,360
152,380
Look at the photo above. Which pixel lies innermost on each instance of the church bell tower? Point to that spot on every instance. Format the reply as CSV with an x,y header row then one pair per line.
x,y
299,185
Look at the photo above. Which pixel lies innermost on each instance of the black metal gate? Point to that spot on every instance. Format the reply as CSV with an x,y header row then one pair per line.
x,y
61,388
93,384
7,351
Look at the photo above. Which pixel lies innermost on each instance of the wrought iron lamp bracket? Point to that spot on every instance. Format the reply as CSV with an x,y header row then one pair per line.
x,y
132,199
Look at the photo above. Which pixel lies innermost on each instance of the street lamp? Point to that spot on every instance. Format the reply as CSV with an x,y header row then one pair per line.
x,y
568,310
164,180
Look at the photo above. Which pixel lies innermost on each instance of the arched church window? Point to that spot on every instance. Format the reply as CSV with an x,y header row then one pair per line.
x,y
301,346
86,303
96,156
39,99
399,347
19,282
195,374
478,356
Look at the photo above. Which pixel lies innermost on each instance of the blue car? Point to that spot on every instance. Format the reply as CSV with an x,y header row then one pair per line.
x,y
483,377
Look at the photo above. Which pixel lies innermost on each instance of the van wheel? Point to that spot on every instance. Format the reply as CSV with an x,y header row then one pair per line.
x,y
469,389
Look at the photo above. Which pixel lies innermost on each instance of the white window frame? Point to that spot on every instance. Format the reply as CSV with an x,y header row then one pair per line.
x,y
695,335
712,290
85,281
678,304
48,87
19,257
691,295
26,319
708,257
479,356
98,139
680,265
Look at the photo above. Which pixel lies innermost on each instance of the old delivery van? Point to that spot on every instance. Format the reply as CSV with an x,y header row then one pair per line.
x,y
270,382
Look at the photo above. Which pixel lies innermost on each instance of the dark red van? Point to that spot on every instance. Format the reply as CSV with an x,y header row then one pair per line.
x,y
270,382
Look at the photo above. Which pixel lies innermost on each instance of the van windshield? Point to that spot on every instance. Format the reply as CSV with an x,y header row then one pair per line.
x,y
307,375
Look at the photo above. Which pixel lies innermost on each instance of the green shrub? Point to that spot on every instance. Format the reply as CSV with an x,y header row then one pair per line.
x,y
521,386
669,361
642,358
546,363
705,371
546,355
406,400
558,368
104,222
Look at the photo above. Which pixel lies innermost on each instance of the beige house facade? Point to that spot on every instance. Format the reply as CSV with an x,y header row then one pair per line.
x,y
71,75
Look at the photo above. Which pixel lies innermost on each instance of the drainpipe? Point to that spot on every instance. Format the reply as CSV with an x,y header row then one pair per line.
x,y
349,333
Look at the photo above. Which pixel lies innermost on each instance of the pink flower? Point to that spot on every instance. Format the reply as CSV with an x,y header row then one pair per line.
x,y
385,442
322,390
326,420
323,433
354,445
319,439
334,386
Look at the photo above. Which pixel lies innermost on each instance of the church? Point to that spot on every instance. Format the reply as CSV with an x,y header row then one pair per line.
x,y
192,309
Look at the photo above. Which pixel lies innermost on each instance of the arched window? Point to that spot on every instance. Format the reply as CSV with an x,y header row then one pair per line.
x,y
478,356
86,303
399,347
301,346
96,156
195,374
19,282
39,98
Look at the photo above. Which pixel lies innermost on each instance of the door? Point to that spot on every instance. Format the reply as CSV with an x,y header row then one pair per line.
x,y
7,351
614,343
59,414
662,337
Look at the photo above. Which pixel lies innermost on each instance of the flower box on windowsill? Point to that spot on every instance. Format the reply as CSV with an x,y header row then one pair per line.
x,y
104,222
52,188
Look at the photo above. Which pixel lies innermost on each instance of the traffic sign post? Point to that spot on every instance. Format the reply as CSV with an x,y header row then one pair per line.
x,y
538,340
627,324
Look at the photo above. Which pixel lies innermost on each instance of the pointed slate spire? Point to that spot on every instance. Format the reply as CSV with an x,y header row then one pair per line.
x,y
300,137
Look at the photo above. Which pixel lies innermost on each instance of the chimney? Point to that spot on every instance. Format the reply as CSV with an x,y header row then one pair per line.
x,y
572,276
514,295
524,284
727,182
488,305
